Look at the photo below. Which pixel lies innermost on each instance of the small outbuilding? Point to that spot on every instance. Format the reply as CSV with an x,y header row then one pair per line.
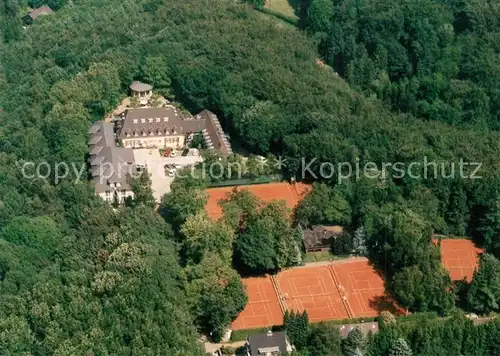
x,y
141,91
269,344
320,237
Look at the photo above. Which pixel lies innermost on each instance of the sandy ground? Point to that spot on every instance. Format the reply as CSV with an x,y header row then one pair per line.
x,y
209,347
125,104
160,183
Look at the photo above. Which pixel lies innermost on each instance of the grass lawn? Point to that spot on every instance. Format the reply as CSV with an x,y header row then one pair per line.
x,y
285,7
320,257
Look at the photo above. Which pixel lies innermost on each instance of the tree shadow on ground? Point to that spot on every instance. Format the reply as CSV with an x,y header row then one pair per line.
x,y
295,4
386,303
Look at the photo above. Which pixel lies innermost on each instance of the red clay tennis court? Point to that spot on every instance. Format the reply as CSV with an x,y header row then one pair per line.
x,y
263,309
363,287
312,289
460,257
292,194
343,289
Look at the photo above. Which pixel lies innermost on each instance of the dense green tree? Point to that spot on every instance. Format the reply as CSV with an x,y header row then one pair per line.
x,y
202,235
429,70
254,248
141,186
319,15
41,235
217,295
342,245
491,228
387,318
412,263
324,205
266,240
324,340
354,343
156,72
423,288
106,289
484,291
183,202
457,211
400,348
238,207
297,328
433,62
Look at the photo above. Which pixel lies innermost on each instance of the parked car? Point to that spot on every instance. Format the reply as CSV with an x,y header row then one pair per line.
x,y
173,153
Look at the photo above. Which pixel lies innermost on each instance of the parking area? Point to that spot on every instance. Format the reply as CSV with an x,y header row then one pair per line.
x,y
151,159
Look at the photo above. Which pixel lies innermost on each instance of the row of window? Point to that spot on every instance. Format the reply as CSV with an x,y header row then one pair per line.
x,y
151,120
122,192
152,133
136,143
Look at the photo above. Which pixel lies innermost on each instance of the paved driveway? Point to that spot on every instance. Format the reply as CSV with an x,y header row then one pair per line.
x,y
150,158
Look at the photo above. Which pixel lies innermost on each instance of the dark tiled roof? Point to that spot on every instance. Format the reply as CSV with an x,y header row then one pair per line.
x,y
95,150
320,236
162,121
42,10
102,135
213,133
267,341
109,163
113,165
140,87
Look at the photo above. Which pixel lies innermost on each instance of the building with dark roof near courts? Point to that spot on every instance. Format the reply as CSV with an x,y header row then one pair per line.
x,y
110,165
34,14
169,127
320,237
270,343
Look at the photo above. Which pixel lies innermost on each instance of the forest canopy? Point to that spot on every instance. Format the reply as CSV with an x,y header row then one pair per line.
x,y
78,277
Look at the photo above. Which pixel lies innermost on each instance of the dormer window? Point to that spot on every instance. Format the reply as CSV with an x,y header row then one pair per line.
x,y
150,120
127,134
151,133
136,121
143,133
158,132
174,131
166,131
143,121
165,119
158,119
